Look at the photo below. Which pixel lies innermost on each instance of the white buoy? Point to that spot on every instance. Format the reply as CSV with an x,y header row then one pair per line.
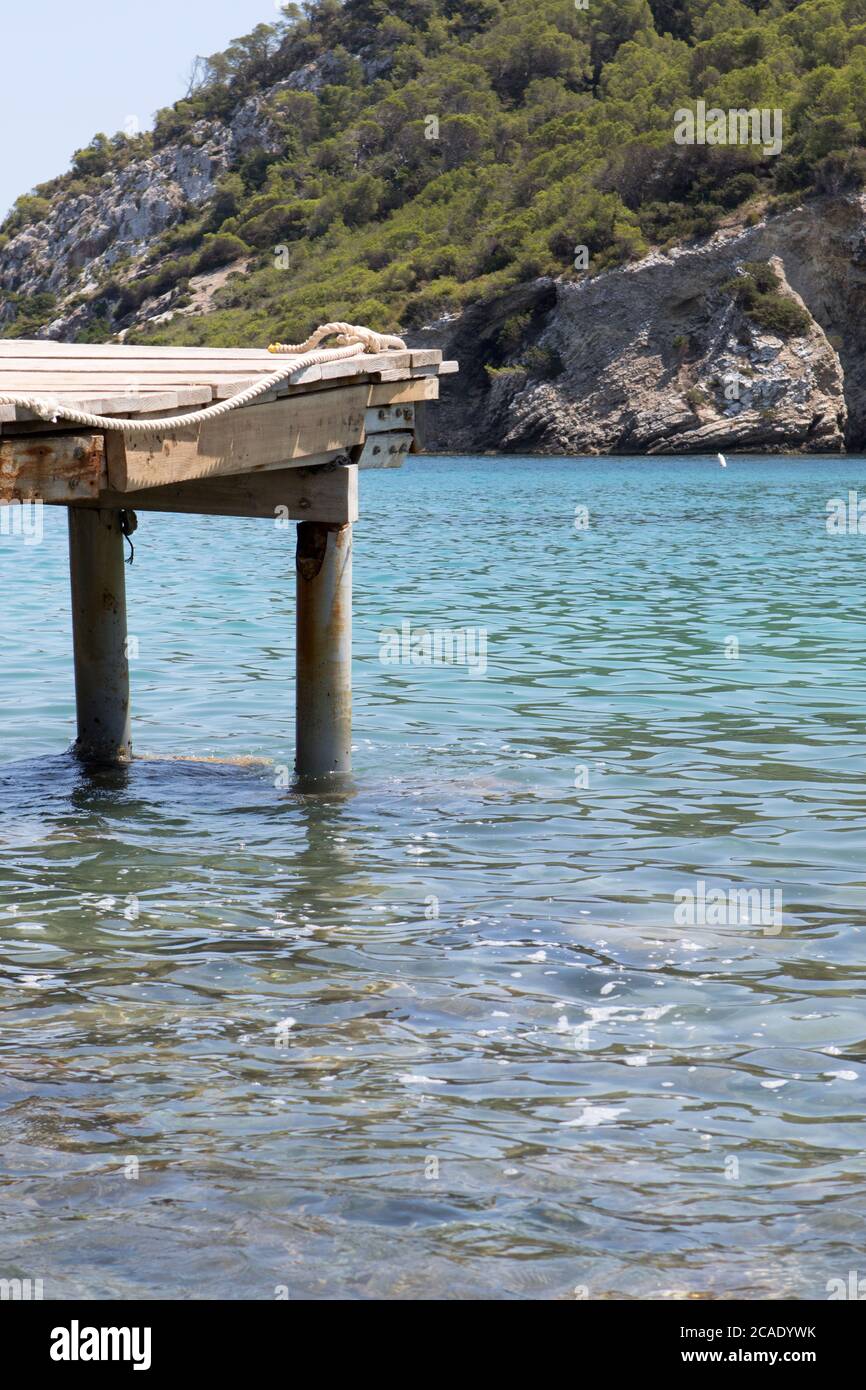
x,y
722,460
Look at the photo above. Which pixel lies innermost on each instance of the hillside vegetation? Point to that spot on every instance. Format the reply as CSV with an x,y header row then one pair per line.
x,y
432,153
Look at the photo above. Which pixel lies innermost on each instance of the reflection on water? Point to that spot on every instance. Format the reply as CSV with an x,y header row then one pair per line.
x,y
443,1036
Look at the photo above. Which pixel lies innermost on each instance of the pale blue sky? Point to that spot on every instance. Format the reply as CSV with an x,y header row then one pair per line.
x,y
70,70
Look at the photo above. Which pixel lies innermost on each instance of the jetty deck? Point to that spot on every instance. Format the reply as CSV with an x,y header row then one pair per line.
x,y
294,454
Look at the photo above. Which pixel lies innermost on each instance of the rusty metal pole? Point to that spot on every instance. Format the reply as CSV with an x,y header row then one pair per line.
x,y
323,686
99,635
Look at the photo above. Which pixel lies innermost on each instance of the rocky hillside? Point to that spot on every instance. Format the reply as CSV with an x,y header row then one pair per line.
x,y
432,167
59,266
666,355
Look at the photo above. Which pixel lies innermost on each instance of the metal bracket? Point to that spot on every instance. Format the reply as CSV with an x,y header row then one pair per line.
x,y
383,450
379,419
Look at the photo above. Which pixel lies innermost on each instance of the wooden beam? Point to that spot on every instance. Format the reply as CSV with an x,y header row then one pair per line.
x,y
278,434
36,349
243,441
159,401
44,462
60,468
423,388
153,395
326,493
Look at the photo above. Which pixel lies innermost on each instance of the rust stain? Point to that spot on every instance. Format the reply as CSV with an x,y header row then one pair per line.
x,y
50,467
312,544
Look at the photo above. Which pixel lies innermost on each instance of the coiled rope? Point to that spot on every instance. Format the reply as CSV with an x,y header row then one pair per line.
x,y
352,341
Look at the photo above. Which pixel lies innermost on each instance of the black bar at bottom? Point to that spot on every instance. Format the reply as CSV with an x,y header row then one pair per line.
x,y
150,1338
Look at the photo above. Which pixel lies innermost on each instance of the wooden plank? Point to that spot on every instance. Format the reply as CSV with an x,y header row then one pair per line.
x,y
81,386
333,373
119,391
58,469
305,376
367,365
154,397
329,370
132,366
330,374
94,357
131,376
424,388
225,393
252,360
243,441
170,402
386,361
138,402
47,350
224,390
45,347
178,402
115,383
326,493
425,357
298,388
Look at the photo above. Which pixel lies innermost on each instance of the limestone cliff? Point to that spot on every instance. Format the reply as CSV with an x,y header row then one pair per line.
x,y
659,357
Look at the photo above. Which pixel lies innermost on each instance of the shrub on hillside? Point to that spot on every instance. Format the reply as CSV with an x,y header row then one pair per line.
x,y
759,294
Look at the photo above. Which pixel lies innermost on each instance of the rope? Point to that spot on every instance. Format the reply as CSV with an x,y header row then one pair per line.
x,y
352,341
128,525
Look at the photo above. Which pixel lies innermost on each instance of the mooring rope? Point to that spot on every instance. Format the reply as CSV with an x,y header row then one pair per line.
x,y
128,526
352,341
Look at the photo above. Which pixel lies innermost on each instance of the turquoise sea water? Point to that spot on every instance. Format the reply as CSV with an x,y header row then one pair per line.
x,y
240,1052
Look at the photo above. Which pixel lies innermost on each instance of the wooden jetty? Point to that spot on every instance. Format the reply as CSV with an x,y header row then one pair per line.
x,y
295,453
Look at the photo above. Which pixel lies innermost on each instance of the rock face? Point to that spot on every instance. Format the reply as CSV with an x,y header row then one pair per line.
x,y
88,233
658,357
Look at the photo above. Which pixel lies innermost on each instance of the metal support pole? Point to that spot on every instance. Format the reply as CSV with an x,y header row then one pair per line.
x,y
99,635
323,689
